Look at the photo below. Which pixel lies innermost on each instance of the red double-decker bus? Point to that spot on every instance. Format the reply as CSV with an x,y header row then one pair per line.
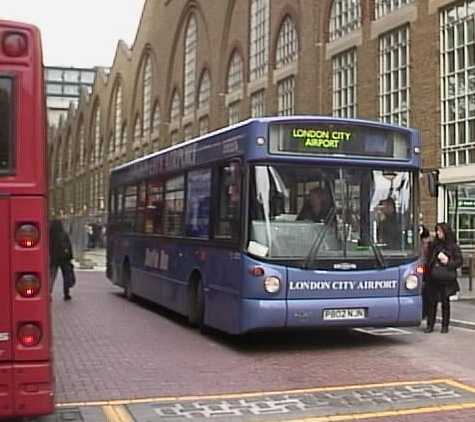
x,y
26,379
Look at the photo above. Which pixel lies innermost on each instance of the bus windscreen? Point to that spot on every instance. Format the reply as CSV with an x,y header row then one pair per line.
x,y
6,147
339,139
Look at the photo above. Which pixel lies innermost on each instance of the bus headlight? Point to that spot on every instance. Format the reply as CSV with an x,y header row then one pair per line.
x,y
272,284
412,282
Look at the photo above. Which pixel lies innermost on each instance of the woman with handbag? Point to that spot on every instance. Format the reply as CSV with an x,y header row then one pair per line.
x,y
444,259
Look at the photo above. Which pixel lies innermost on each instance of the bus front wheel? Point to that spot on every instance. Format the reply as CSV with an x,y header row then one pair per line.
x,y
196,303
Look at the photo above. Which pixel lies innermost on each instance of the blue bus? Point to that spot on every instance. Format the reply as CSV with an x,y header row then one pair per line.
x,y
278,222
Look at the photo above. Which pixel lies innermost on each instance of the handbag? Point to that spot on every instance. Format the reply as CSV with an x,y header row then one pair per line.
x,y
69,274
443,274
453,288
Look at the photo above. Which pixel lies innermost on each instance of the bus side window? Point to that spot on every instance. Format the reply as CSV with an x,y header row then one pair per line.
x,y
229,205
119,208
173,216
198,203
130,207
155,208
140,221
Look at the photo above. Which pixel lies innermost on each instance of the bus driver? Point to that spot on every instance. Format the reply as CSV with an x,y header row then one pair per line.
x,y
389,231
317,207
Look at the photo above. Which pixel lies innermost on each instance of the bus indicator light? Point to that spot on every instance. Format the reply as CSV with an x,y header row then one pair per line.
x,y
420,269
256,271
14,44
28,285
27,235
29,335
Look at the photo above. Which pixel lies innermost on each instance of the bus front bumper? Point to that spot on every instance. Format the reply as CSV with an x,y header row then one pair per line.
x,y
259,315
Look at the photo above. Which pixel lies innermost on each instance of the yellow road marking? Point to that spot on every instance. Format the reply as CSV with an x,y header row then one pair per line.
x,y
260,394
402,412
461,386
117,414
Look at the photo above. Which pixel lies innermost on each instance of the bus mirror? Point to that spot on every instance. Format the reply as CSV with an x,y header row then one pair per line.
x,y
433,183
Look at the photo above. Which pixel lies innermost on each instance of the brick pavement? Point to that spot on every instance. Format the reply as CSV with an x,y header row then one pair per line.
x,y
107,348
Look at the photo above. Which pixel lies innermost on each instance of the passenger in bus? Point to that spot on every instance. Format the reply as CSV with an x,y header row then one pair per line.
x,y
317,207
61,255
388,230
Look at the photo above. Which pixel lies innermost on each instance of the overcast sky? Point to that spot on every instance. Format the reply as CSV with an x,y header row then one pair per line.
x,y
79,33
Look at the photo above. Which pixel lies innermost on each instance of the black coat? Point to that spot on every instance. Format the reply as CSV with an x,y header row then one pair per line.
x,y
438,289
61,250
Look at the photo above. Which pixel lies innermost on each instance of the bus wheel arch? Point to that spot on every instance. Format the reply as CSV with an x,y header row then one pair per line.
x,y
196,300
127,279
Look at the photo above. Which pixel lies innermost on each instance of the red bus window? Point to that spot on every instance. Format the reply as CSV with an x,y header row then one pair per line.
x,y
6,141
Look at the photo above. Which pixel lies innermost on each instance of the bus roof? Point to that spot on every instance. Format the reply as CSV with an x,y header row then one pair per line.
x,y
269,119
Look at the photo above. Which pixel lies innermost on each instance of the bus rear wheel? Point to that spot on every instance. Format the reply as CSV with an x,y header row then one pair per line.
x,y
196,303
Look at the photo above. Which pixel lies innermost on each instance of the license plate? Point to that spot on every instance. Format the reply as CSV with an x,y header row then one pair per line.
x,y
343,314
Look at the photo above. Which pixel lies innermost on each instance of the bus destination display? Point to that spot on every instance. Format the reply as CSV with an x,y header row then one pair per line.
x,y
334,139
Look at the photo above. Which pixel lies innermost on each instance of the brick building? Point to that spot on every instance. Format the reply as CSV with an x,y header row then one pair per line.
x,y
198,65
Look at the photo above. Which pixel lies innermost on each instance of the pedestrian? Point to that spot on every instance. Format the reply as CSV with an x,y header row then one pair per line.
x,y
90,236
426,240
444,259
61,255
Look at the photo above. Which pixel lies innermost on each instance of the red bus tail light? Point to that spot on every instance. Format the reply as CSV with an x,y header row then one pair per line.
x,y
29,335
28,285
27,235
14,44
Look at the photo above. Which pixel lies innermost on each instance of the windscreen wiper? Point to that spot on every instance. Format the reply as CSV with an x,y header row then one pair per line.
x,y
377,253
317,243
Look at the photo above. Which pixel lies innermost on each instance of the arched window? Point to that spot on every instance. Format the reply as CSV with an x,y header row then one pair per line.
x,y
156,120
137,131
175,108
117,118
345,17
59,161
235,72
123,138
191,43
287,44
204,91
68,155
147,98
110,151
96,136
82,146
259,38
